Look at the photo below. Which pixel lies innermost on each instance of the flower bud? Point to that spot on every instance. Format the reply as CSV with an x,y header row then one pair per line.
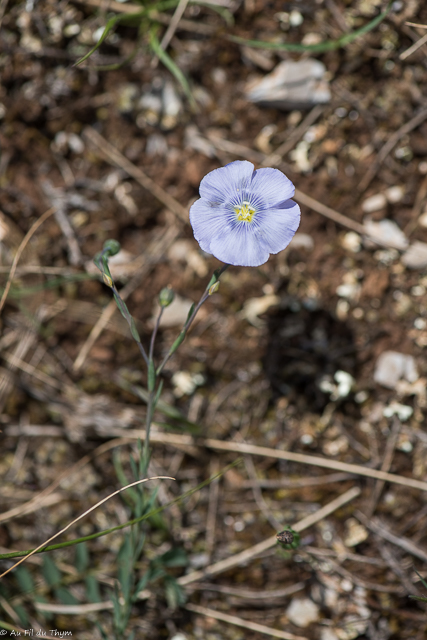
x,y
166,296
111,247
214,288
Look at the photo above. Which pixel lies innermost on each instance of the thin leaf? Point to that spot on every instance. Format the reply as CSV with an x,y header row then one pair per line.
x,y
125,566
329,45
65,596
22,615
174,558
172,67
121,18
25,580
103,633
50,571
100,534
81,560
175,595
92,589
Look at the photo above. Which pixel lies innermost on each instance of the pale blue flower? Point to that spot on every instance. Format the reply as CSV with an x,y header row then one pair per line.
x,y
244,215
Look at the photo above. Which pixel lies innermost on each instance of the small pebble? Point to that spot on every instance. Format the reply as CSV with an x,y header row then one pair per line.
x,y
302,612
295,18
416,256
303,241
352,241
388,232
392,366
356,533
402,411
374,203
394,194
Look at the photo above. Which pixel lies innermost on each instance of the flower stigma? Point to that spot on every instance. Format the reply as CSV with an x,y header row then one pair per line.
x,y
245,212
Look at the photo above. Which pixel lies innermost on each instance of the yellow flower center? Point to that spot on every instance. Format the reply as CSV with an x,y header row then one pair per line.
x,y
245,212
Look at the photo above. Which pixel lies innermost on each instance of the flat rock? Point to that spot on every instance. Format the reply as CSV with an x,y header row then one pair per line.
x,y
302,612
175,314
292,85
393,366
416,256
374,203
387,232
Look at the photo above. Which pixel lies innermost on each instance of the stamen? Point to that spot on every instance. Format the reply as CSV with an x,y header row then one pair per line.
x,y
245,211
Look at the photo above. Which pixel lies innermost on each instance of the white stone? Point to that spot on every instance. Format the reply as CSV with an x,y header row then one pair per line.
x,y
295,18
328,634
255,307
416,256
402,411
349,291
302,612
394,194
185,383
387,232
291,85
374,203
356,533
391,366
175,314
352,241
303,241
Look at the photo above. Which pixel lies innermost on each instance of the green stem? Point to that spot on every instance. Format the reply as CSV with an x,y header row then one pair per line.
x,y
207,292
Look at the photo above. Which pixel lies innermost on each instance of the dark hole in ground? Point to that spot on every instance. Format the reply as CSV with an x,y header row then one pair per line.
x,y
306,345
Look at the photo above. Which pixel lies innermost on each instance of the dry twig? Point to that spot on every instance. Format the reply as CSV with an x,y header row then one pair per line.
x,y
245,624
250,553
389,145
20,250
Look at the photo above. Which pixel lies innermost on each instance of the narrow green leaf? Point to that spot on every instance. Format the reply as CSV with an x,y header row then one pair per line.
x,y
190,313
100,534
25,579
134,330
158,394
329,45
22,615
175,557
121,18
172,67
421,578
130,496
103,633
92,589
81,560
50,571
125,566
65,596
180,339
151,376
175,595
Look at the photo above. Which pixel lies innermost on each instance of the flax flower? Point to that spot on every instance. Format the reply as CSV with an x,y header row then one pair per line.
x,y
244,215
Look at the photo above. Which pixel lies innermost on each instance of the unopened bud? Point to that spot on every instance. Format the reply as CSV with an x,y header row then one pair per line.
x,y
214,288
166,296
111,247
107,280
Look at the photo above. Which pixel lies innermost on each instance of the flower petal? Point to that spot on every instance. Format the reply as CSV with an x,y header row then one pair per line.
x,y
222,185
277,227
209,221
273,186
239,246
